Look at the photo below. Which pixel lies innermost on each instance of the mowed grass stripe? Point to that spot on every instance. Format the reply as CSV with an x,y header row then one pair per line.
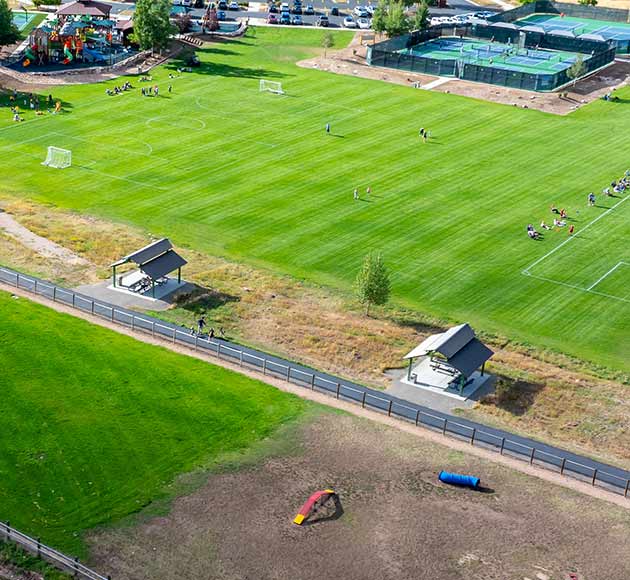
x,y
448,216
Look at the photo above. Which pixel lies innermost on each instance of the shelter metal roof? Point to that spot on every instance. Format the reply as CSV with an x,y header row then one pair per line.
x,y
150,251
458,345
163,264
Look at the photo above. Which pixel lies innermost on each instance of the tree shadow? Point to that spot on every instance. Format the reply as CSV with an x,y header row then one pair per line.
x,y
225,70
515,396
200,300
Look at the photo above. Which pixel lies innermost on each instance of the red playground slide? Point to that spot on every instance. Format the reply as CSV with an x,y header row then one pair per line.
x,y
319,497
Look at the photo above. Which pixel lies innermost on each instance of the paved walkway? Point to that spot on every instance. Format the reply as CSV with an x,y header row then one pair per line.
x,y
167,330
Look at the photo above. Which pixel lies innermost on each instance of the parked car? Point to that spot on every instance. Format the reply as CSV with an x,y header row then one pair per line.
x,y
370,10
322,21
348,22
363,23
297,20
273,9
309,10
284,7
233,5
361,12
297,8
221,15
222,5
272,19
334,11
285,18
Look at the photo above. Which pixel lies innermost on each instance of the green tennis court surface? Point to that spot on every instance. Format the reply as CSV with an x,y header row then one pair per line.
x,y
577,26
496,55
21,19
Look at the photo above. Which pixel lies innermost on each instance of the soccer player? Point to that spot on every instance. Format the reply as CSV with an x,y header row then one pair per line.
x,y
356,193
327,127
591,199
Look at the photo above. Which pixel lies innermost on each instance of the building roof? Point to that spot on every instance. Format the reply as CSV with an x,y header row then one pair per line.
x,y
458,345
155,260
162,265
85,8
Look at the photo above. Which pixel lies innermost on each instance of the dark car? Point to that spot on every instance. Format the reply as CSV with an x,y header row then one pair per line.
x,y
273,9
323,21
334,11
221,15
297,8
222,5
285,18
309,10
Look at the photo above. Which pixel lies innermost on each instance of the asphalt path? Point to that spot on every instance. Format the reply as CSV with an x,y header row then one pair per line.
x,y
349,390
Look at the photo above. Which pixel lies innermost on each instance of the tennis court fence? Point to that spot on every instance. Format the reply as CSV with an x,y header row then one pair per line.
x,y
395,53
56,558
474,433
601,13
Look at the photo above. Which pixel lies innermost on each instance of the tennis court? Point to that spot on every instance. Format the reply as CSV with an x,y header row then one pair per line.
x,y
495,55
21,19
608,30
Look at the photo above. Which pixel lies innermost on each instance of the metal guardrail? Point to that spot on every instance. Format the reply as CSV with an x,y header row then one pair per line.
x,y
59,560
311,380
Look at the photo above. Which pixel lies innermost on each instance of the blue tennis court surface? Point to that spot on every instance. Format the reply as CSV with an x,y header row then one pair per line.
x,y
496,55
577,26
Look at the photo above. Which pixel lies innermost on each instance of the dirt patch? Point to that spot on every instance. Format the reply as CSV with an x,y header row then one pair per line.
x,y
398,521
351,61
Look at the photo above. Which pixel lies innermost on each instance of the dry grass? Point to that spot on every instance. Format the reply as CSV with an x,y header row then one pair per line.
x,y
544,395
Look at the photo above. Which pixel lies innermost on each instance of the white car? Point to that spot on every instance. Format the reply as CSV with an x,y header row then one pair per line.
x,y
349,22
284,7
363,23
361,11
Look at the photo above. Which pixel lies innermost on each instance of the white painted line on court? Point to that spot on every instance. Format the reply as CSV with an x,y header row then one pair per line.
x,y
526,271
607,274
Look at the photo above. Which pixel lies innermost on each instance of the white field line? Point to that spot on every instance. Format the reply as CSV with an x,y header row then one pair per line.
x,y
527,272
580,288
607,274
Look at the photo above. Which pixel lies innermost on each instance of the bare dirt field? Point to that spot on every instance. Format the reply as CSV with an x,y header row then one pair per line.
x,y
398,521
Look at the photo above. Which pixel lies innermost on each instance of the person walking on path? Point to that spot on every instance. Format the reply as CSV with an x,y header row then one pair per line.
x,y
201,323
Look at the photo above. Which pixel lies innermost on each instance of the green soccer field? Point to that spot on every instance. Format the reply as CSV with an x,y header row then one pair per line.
x,y
95,425
253,176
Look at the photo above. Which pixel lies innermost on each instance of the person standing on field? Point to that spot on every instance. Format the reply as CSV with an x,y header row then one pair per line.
x,y
328,128
356,193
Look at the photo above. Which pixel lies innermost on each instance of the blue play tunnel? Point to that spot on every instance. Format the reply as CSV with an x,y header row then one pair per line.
x,y
459,479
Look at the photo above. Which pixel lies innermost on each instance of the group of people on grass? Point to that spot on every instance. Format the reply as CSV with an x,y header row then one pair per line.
x,y
33,102
117,90
560,215
201,325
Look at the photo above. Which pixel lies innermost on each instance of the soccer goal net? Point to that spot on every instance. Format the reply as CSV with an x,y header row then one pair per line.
x,y
58,158
271,86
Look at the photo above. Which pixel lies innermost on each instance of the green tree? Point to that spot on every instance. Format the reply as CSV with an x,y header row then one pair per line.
x,y
379,19
151,24
421,18
588,2
372,283
396,22
328,41
8,30
577,69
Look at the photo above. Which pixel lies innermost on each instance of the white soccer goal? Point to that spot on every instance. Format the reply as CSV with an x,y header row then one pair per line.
x,y
271,86
58,158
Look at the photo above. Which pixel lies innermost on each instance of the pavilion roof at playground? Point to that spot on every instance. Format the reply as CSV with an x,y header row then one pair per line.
x,y
85,8
458,345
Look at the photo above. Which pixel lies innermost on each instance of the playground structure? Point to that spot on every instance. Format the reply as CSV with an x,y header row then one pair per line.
x,y
81,32
314,502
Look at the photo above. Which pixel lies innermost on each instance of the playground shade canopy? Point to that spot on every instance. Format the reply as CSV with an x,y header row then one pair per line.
x,y
85,8
155,260
459,346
